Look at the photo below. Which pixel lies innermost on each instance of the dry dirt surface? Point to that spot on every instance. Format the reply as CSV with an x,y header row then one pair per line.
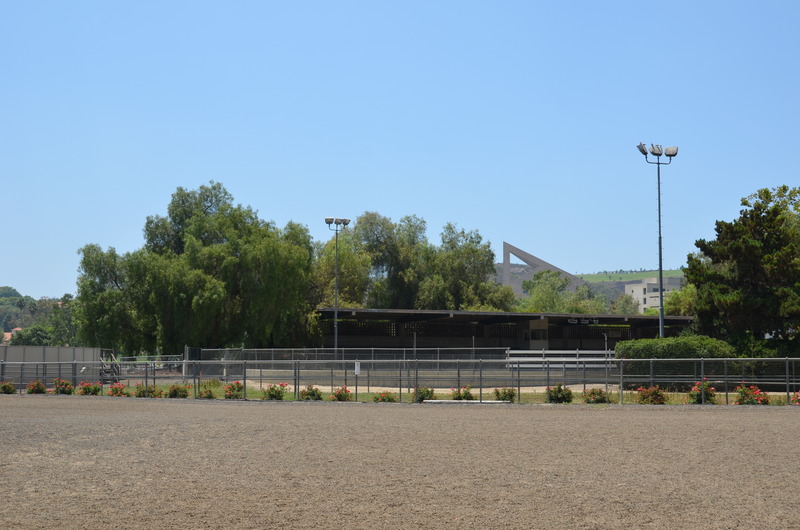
x,y
91,462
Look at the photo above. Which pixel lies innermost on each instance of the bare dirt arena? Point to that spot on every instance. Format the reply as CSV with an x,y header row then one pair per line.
x,y
90,462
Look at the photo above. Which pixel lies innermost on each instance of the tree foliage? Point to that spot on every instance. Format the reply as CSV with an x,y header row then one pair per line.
x,y
548,292
210,274
748,277
393,265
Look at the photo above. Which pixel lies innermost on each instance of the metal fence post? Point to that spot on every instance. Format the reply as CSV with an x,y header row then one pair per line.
x,y
547,371
787,380
621,381
702,381
480,380
400,382
75,374
244,378
725,370
458,374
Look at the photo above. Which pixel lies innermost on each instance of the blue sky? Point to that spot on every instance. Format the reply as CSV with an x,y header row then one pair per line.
x,y
518,119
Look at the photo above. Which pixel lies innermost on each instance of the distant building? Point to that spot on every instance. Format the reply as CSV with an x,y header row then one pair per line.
x,y
646,291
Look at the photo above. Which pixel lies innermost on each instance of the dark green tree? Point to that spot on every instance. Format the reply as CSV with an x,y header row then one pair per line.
x,y
748,277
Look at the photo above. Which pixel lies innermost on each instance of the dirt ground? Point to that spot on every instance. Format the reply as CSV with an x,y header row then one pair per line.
x,y
156,463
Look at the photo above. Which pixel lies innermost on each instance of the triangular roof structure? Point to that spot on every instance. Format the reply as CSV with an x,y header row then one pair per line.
x,y
537,264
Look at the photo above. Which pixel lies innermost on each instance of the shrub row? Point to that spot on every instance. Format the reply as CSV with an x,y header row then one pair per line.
x,y
688,347
701,392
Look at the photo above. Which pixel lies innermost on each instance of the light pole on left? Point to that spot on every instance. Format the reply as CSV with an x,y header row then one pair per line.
x,y
336,224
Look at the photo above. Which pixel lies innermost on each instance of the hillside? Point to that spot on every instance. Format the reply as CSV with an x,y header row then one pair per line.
x,y
625,276
608,283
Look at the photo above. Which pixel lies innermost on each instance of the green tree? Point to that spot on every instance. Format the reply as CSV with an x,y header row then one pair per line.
x,y
354,273
407,271
546,293
211,274
624,304
33,336
681,302
748,277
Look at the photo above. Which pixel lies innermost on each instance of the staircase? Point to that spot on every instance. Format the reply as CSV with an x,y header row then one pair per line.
x,y
109,369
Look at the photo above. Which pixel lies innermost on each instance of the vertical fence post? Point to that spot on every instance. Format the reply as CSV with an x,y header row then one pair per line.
x,y
297,380
400,382
244,377
651,372
480,380
519,383
621,381
547,371
702,381
146,377
787,380
458,374
75,374
725,370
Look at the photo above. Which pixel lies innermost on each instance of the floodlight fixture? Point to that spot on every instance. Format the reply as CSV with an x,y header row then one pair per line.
x,y
657,151
336,224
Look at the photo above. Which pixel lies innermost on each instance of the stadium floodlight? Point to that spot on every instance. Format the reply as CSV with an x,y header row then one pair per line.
x,y
336,224
671,152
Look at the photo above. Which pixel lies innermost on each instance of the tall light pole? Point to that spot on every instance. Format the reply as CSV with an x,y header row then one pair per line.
x,y
336,224
670,153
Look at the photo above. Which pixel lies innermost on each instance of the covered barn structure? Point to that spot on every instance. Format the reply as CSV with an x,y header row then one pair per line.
x,y
403,328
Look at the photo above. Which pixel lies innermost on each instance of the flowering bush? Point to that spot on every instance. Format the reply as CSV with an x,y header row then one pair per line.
x,y
141,391
85,388
422,393
651,396
701,392
178,391
8,388
62,386
559,394
463,393
384,397
595,395
119,390
311,393
505,394
342,394
750,395
35,387
275,392
795,399
234,390
206,393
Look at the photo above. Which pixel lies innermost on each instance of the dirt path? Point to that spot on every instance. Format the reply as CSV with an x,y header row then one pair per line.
x,y
136,463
